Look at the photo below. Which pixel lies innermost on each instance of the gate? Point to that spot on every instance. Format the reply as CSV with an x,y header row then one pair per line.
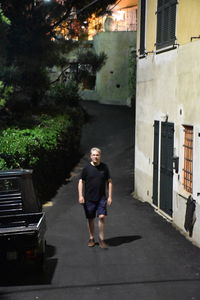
x,y
166,167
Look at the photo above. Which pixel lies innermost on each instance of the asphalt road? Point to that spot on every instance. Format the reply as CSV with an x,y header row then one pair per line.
x,y
147,259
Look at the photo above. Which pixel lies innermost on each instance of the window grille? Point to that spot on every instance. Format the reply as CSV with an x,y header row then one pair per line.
x,y
188,158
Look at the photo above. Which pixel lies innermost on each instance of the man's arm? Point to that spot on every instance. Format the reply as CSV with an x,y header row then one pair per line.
x,y
110,188
81,186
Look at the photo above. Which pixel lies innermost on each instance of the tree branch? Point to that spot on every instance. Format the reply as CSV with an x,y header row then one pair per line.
x,y
62,73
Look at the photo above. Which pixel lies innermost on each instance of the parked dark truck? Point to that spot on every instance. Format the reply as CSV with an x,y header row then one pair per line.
x,y
22,222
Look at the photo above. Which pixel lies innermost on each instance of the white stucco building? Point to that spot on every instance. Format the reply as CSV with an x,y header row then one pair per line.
x,y
167,155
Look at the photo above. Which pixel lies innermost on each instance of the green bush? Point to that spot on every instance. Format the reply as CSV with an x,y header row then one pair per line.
x,y
5,92
50,149
132,75
3,165
22,148
62,96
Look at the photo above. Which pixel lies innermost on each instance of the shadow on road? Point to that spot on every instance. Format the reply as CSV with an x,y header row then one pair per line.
x,y
119,240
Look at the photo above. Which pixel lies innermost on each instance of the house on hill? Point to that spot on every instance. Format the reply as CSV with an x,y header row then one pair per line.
x,y
115,35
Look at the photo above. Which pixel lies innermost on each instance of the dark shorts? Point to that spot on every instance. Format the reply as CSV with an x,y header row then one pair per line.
x,y
93,209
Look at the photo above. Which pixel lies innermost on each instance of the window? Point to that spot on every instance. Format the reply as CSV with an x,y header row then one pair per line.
x,y
166,23
188,158
9,185
142,27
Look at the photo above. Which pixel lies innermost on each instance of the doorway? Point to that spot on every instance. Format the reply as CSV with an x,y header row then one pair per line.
x,y
163,166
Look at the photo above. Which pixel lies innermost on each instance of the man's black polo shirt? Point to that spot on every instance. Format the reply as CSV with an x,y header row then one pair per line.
x,y
95,178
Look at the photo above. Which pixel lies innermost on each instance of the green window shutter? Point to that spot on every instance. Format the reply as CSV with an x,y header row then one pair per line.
x,y
155,163
166,23
160,3
172,22
142,27
159,27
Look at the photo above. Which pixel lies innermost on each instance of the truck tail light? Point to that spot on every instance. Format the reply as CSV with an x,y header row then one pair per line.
x,y
30,254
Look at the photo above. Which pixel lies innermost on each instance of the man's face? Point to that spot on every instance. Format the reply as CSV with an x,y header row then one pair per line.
x,y
95,157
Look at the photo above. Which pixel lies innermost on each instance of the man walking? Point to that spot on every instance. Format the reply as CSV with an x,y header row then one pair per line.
x,y
95,192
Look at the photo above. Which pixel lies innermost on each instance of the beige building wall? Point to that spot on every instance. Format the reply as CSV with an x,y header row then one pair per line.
x,y
151,7
168,84
187,22
112,81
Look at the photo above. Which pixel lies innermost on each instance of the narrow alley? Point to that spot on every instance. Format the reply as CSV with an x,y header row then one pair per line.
x,y
147,259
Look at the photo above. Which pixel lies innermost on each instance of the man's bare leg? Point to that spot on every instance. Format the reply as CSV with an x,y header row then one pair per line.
x,y
91,242
91,228
101,225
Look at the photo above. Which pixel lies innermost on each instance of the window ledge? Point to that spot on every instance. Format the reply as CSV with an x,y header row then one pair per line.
x,y
143,55
165,49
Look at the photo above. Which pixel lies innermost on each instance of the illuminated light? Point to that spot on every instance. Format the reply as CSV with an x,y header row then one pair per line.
x,y
95,25
119,15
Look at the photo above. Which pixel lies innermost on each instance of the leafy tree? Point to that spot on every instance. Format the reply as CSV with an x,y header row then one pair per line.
x,y
33,44
5,91
88,64
4,25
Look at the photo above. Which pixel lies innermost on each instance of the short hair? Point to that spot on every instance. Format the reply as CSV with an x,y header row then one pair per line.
x,y
95,149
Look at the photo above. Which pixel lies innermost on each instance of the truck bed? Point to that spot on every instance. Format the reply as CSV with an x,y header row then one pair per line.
x,y
20,223
21,232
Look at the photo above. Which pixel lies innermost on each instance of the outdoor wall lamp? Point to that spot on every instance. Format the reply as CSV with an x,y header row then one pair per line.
x,y
164,117
175,163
